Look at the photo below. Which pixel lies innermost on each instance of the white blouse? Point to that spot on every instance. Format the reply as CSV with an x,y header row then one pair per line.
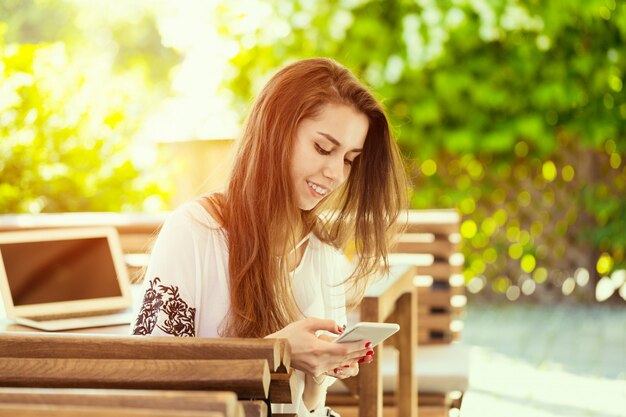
x,y
186,291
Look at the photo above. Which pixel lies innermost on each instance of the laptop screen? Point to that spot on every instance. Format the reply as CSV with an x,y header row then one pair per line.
x,y
60,270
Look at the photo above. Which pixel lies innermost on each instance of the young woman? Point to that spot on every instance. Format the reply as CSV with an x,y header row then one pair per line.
x,y
316,168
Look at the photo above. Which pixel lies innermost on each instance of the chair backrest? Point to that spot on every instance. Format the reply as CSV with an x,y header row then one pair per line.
x,y
431,242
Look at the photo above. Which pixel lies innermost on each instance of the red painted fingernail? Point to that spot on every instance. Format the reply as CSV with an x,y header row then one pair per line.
x,y
336,370
370,352
368,344
361,360
346,366
339,329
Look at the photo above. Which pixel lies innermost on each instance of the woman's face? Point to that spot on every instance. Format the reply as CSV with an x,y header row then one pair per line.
x,y
323,152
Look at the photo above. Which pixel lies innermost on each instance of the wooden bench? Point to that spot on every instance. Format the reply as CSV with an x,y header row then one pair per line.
x,y
254,369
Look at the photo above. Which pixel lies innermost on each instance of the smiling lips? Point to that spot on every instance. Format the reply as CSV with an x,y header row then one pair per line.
x,y
318,189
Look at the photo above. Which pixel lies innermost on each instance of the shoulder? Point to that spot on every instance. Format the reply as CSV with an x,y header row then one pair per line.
x,y
189,225
191,215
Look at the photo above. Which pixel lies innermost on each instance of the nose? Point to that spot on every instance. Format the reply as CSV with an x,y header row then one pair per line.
x,y
334,170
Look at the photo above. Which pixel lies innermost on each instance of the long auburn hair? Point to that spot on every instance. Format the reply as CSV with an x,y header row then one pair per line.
x,y
258,209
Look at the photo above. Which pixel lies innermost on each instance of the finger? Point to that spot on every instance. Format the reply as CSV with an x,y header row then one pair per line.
x,y
315,324
347,372
359,354
366,359
357,346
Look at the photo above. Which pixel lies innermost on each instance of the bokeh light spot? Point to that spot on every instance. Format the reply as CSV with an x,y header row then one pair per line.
x,y
540,275
500,217
476,284
582,277
568,173
429,167
489,226
615,83
615,160
536,229
515,251
618,277
475,169
604,289
524,237
521,149
478,266
480,240
512,233
513,293
467,205
523,198
569,285
490,255
528,286
501,284
548,170
528,263
468,229
610,146
604,264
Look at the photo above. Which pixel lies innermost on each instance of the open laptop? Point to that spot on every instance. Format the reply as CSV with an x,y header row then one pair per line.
x,y
61,279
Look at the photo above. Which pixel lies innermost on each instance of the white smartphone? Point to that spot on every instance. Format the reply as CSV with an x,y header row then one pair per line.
x,y
374,332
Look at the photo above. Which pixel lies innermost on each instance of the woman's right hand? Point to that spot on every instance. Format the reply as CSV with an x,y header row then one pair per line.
x,y
313,355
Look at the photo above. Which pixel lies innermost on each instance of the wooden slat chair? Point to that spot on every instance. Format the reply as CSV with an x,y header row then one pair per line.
x,y
105,361
392,299
431,243
224,403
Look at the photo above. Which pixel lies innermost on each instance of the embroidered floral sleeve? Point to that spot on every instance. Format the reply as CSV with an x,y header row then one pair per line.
x,y
162,307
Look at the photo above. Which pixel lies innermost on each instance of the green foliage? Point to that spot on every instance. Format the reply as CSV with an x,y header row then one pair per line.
x,y
67,112
488,92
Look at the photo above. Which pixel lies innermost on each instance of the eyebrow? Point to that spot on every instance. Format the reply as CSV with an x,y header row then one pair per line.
x,y
337,143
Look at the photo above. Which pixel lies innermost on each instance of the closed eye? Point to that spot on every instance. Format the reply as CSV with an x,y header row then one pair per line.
x,y
321,150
